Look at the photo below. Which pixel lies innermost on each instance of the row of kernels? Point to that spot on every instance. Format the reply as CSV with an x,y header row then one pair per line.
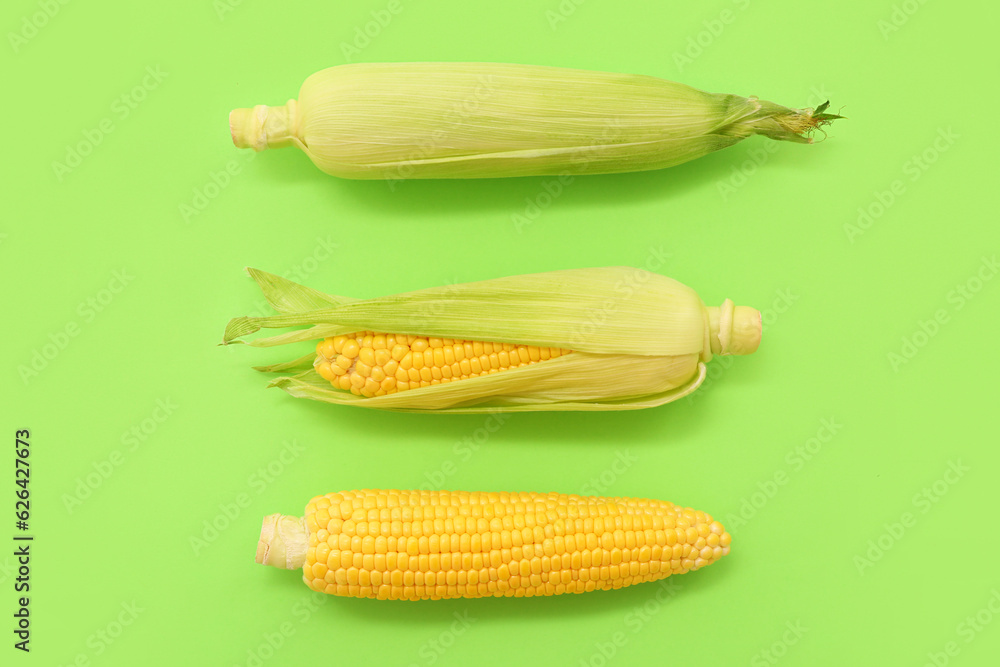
x,y
415,506
458,526
513,576
426,537
443,592
398,584
635,562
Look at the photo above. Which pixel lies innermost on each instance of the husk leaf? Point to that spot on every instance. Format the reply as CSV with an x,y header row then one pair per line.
x,y
437,398
614,310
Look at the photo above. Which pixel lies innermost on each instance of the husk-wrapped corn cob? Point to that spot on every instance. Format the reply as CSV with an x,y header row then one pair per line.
x,y
487,120
590,339
432,545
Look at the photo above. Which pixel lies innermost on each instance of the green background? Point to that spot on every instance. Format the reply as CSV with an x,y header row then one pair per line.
x,y
145,433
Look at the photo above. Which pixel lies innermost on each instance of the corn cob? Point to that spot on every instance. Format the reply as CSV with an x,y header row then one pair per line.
x,y
372,364
487,120
432,545
589,339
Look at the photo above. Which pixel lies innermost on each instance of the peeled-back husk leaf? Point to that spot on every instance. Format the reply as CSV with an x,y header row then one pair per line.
x,y
613,310
311,385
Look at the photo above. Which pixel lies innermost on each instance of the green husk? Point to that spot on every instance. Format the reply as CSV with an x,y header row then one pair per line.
x,y
487,120
639,339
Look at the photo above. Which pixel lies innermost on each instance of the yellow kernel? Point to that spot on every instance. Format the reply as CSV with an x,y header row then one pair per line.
x,y
337,370
438,357
429,358
419,345
476,365
406,363
367,355
459,351
534,354
323,368
344,362
362,369
377,374
399,351
381,357
417,358
378,342
351,349
326,348
371,386
338,343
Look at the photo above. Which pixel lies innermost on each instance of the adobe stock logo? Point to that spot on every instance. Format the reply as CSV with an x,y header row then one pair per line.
x,y
923,501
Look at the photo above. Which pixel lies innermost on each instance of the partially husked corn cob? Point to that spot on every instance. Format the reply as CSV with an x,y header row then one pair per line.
x,y
591,339
373,364
486,120
431,545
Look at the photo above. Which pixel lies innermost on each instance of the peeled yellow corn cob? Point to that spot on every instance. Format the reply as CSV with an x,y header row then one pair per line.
x,y
432,545
590,339
372,364
486,120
